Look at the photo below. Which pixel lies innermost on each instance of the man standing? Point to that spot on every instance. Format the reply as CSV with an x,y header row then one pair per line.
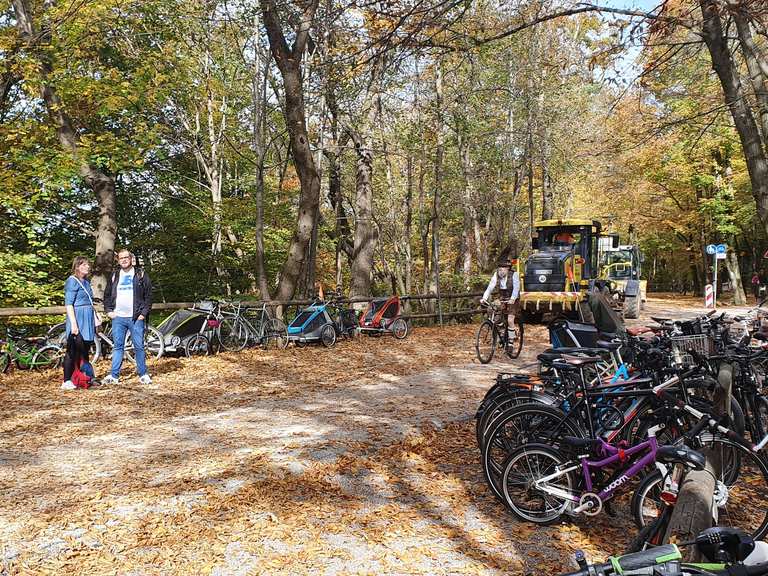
x,y
128,300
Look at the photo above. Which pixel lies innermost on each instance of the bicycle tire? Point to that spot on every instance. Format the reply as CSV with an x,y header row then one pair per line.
x,y
742,491
504,402
399,328
232,334
513,476
275,334
760,417
197,345
485,349
48,357
328,335
98,349
57,334
519,425
513,351
5,362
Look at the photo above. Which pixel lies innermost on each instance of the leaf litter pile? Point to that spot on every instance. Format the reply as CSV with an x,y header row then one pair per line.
x,y
360,459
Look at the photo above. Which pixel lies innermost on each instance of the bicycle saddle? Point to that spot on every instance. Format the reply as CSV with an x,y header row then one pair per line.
x,y
681,454
547,357
577,442
577,350
637,330
608,345
577,360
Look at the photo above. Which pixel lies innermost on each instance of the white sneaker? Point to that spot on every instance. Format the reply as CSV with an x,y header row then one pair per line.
x,y
145,379
68,385
110,380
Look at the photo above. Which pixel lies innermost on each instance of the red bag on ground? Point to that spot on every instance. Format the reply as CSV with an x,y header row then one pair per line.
x,y
82,377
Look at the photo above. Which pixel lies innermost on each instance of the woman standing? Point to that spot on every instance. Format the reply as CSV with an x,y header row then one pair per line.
x,y
81,323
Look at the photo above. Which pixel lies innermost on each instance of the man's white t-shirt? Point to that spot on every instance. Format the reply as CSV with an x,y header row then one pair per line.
x,y
124,300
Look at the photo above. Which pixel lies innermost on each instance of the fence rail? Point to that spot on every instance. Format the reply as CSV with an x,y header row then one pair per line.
x,y
59,310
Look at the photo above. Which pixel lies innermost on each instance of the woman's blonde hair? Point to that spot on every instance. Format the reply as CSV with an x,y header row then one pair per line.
x,y
76,263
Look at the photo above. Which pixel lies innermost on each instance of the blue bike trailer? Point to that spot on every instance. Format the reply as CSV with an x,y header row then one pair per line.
x,y
309,323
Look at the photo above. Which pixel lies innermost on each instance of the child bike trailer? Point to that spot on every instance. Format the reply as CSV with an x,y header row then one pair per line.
x,y
184,329
313,324
383,315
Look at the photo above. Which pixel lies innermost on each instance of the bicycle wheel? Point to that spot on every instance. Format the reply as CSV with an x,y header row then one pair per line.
x,y
741,494
154,343
485,341
57,335
197,345
520,425
514,347
328,335
232,334
522,469
98,349
275,334
48,357
760,417
399,328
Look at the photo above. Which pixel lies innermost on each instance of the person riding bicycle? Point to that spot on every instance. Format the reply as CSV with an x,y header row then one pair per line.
x,y
507,280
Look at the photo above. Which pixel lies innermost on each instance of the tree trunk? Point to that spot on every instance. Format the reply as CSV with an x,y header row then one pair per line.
x,y
749,135
259,144
288,61
365,229
756,65
101,183
734,274
438,184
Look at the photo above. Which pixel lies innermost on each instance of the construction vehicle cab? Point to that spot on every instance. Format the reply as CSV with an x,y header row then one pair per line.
x,y
621,267
565,260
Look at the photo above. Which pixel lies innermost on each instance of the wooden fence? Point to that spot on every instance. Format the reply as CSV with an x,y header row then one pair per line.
x,y
416,306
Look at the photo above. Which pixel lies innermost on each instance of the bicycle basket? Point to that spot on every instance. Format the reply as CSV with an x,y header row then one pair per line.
x,y
701,344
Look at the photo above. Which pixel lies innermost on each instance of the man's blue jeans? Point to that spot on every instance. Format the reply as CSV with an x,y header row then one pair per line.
x,y
120,326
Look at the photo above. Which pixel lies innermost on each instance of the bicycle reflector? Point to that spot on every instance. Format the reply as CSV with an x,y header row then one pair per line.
x,y
668,496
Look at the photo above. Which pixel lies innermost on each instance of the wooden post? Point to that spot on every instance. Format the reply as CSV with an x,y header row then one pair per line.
x,y
694,508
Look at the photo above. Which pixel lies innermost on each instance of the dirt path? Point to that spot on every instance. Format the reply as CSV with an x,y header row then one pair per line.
x,y
356,460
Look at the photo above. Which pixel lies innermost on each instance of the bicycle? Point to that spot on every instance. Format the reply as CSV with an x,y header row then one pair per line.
x,y
154,344
263,328
494,332
27,353
727,550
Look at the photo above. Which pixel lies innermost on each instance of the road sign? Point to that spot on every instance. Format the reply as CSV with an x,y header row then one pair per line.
x,y
720,255
711,249
721,248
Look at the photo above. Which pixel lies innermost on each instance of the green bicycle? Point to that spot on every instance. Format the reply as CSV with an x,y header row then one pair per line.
x,y
28,353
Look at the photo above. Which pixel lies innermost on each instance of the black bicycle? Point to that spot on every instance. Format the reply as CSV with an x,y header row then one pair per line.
x,y
494,333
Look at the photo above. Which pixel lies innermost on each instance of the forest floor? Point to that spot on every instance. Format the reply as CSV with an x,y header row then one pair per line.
x,y
355,460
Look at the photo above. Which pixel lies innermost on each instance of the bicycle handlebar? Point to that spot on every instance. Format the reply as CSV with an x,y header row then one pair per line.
x,y
635,561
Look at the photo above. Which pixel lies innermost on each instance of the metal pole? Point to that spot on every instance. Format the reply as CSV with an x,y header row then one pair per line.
x,y
714,282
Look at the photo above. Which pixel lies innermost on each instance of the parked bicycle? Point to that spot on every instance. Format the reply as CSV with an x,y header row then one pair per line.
x,y
154,345
243,325
28,352
494,333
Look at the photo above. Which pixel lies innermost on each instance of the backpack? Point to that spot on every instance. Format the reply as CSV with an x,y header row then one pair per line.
x,y
83,375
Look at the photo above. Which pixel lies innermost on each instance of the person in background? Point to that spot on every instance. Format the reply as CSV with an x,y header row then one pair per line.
x,y
128,301
81,322
756,285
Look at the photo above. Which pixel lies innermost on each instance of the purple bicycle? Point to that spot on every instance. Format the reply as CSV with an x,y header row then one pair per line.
x,y
539,485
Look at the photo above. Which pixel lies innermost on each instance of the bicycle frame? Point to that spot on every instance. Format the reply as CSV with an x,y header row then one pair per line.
x,y
587,466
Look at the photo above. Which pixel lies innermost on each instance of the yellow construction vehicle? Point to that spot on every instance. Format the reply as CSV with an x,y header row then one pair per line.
x,y
621,268
562,268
